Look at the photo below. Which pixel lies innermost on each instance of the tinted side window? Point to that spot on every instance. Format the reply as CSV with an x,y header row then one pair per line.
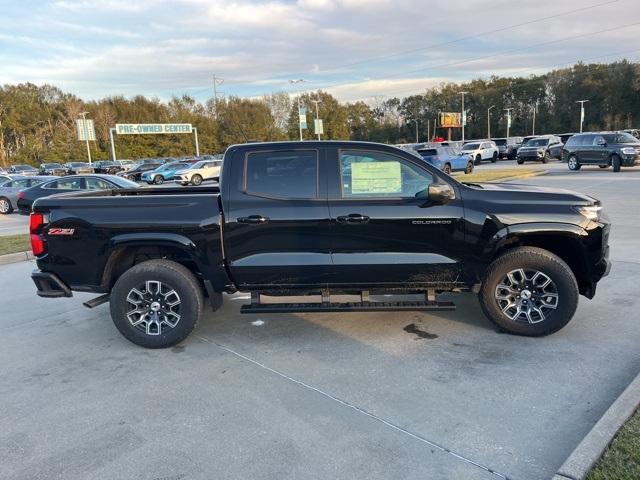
x,y
585,140
377,174
288,174
98,184
66,184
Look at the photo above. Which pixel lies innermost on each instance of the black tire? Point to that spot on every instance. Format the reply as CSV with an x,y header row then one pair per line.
x,y
447,169
494,158
158,180
469,168
5,206
171,275
530,259
196,179
615,162
478,160
572,163
603,166
546,157
520,161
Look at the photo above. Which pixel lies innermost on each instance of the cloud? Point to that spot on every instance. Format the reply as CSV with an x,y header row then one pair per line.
x,y
353,48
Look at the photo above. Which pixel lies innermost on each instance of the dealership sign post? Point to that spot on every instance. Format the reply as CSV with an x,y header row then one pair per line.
x,y
152,129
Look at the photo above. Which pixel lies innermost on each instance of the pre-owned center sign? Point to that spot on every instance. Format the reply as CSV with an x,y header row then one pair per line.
x,y
151,128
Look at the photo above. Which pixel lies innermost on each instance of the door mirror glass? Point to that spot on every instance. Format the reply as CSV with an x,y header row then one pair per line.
x,y
601,141
439,193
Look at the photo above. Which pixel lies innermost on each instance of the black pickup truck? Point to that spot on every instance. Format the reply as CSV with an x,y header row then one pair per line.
x,y
339,223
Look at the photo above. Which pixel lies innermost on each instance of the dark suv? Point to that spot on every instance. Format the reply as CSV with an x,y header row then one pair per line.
x,y
540,149
603,149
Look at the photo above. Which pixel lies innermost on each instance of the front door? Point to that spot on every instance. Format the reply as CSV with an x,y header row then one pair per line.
x,y
277,220
385,232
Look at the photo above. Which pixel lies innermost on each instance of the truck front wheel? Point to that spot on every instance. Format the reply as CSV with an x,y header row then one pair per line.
x,y
529,291
156,304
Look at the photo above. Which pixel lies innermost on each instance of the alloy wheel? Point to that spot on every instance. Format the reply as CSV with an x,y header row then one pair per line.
x,y
527,295
153,307
4,206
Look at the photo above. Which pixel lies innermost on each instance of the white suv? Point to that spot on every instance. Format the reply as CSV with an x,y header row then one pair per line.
x,y
199,172
479,150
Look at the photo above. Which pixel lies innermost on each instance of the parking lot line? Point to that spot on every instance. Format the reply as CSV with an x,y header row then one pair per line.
x,y
354,407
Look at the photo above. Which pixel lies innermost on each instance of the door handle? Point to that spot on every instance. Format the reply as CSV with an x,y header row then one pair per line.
x,y
253,219
353,218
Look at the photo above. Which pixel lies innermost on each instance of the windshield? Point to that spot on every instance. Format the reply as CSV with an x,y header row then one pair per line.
x,y
471,146
538,142
51,165
197,165
621,138
77,164
22,167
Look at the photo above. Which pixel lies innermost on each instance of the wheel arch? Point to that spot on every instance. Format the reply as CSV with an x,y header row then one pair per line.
x,y
563,240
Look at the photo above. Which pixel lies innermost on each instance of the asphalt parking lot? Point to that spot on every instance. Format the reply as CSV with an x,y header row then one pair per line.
x,y
283,396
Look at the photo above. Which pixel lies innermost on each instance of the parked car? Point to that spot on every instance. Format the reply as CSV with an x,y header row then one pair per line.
x,y
603,149
78,168
298,218
447,159
199,172
10,189
632,131
540,149
564,137
126,164
135,173
163,173
26,197
26,170
481,150
108,167
56,169
5,177
526,139
508,147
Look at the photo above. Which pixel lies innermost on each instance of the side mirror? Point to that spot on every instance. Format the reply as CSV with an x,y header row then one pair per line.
x,y
602,142
440,193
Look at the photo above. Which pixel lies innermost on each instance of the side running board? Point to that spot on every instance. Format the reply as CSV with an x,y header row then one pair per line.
x,y
364,305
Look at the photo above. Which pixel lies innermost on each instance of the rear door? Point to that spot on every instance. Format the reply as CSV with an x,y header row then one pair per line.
x,y
586,153
277,219
384,233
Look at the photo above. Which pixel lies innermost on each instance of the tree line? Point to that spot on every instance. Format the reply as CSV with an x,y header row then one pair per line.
x,y
37,123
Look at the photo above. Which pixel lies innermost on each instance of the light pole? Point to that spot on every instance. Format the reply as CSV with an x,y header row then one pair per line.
x,y
535,109
86,131
508,110
463,117
317,117
581,102
489,121
296,82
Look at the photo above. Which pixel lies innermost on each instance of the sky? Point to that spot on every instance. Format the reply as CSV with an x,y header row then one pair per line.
x,y
355,49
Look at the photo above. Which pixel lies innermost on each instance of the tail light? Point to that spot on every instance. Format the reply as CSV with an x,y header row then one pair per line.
x,y
36,221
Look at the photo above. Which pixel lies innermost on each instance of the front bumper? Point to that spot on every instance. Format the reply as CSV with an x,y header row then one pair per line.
x,y
49,285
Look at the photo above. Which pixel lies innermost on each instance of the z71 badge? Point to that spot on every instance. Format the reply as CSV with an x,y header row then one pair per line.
x,y
61,231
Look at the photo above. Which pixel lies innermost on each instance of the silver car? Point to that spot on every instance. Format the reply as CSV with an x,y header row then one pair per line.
x,y
9,190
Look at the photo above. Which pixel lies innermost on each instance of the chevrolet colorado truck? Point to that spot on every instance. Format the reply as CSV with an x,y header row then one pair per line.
x,y
336,223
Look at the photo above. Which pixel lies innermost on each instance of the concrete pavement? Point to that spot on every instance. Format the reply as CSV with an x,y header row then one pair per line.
x,y
317,395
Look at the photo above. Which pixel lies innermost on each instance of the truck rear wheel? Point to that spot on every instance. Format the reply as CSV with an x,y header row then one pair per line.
x,y
615,162
156,304
529,291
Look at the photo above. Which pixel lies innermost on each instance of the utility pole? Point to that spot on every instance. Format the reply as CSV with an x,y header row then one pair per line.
x,y
489,121
508,110
87,140
629,120
428,129
317,117
297,82
416,120
463,117
533,127
581,102
216,81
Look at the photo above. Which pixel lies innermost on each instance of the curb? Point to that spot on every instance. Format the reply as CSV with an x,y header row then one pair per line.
x,y
15,257
590,449
516,177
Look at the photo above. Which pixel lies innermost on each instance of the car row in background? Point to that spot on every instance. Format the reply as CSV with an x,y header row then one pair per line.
x,y
11,187
447,159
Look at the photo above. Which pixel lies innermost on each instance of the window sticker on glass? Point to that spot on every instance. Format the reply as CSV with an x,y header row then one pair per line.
x,y
376,177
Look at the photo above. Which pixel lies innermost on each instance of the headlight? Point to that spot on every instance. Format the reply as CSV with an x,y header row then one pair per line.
x,y
592,212
628,150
